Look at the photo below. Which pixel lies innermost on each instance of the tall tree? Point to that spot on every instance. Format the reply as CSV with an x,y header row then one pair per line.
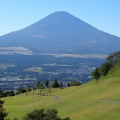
x,y
47,83
55,84
40,86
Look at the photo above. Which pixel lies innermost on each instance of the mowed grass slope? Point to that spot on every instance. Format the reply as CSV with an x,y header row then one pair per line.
x,y
92,101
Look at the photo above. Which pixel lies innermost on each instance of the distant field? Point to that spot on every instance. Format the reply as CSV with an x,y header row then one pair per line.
x,y
25,51
91,101
34,69
77,55
15,50
5,66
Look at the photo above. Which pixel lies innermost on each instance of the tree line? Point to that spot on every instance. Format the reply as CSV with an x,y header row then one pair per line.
x,y
111,60
39,85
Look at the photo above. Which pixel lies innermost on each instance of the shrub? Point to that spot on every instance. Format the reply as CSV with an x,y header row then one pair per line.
x,y
74,83
40,114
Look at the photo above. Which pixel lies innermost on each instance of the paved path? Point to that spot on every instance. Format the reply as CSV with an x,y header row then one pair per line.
x,y
112,102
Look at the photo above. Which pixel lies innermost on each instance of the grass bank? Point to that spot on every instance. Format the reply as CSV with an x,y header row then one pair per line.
x,y
92,101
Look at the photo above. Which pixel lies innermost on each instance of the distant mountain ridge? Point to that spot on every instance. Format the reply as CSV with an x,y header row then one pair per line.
x,y
61,32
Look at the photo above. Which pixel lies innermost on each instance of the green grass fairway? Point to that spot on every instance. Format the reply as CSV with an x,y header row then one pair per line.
x,y
91,101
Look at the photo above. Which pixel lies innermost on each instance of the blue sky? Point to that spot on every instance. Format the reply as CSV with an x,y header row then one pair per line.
x,y
18,14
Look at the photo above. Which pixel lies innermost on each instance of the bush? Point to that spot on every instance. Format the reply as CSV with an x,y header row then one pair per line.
x,y
40,114
74,83
9,93
21,90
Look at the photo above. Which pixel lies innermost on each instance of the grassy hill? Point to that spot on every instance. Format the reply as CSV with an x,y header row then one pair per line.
x,y
92,101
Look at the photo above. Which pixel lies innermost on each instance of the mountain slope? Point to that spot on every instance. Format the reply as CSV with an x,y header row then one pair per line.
x,y
92,101
61,32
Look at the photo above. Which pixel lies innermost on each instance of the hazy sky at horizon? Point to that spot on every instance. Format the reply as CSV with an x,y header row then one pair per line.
x,y
18,14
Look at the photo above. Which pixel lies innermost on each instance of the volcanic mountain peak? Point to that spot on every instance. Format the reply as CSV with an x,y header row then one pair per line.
x,y
64,33
56,23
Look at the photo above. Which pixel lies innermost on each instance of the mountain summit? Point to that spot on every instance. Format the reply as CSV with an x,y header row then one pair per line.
x,y
61,32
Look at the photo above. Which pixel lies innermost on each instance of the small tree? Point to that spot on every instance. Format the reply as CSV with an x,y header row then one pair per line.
x,y
68,84
40,86
3,113
20,90
55,84
96,74
47,83
28,88
61,84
